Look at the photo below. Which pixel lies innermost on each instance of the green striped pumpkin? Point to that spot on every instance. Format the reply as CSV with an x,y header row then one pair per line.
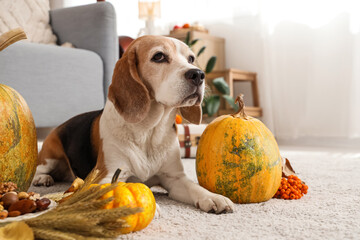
x,y
238,157
18,142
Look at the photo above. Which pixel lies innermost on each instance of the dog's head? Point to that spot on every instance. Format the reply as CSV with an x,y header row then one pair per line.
x,y
160,68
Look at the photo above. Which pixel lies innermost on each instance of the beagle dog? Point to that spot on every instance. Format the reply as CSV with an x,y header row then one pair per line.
x,y
136,132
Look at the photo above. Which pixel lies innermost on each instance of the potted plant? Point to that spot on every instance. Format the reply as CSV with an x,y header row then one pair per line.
x,y
211,103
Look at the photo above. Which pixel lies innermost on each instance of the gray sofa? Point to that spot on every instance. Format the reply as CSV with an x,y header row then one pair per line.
x,y
57,82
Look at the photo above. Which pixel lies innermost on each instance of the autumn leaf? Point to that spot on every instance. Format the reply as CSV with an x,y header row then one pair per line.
x,y
287,169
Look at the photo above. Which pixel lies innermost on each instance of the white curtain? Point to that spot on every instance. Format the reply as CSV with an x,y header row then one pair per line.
x,y
307,56
312,68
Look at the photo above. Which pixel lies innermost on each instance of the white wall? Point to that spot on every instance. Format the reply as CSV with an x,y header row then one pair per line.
x,y
234,20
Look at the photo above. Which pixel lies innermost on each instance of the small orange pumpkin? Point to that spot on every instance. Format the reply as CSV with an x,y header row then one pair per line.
x,y
238,157
131,195
18,142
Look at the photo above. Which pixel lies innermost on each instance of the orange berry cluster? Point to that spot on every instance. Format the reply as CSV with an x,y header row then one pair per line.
x,y
291,188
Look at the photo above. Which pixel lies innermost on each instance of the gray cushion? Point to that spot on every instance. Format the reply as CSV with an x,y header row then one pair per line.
x,y
56,82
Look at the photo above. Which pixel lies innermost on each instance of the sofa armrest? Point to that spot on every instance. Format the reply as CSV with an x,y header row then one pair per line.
x,y
91,27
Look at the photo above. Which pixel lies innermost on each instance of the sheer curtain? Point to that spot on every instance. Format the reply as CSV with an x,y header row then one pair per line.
x,y
312,68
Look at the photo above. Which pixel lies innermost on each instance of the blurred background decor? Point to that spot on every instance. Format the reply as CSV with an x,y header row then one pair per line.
x,y
148,11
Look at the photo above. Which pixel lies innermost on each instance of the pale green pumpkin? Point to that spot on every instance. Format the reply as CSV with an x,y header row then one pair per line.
x,y
238,157
18,142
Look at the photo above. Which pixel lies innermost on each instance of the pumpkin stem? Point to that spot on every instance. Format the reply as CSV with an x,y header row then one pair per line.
x,y
241,112
116,175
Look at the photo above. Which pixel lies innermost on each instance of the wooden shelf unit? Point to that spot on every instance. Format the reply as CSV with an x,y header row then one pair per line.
x,y
231,75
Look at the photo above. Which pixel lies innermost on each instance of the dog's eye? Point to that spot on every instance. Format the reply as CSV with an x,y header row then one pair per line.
x,y
191,59
159,57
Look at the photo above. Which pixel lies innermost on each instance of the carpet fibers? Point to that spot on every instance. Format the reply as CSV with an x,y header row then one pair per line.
x,y
330,210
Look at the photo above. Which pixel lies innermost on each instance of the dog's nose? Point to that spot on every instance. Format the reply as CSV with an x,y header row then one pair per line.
x,y
196,76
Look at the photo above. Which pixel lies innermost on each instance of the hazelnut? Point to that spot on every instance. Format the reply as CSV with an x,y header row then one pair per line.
x,y
9,198
3,214
23,195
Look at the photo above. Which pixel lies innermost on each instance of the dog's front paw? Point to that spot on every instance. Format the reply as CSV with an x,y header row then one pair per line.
x,y
215,203
43,180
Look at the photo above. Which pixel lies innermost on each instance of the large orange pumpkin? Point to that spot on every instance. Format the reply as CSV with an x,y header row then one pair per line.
x,y
238,157
132,195
18,143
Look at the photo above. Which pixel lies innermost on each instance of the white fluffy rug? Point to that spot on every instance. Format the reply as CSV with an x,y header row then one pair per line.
x,y
330,210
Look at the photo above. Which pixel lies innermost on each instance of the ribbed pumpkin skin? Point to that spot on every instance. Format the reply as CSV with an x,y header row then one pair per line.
x,y
133,195
240,159
18,142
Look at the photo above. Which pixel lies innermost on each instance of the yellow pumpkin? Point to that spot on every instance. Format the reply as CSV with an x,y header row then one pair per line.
x,y
238,157
18,142
132,195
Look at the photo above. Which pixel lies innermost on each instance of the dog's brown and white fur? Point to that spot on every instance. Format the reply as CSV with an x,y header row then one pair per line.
x,y
135,131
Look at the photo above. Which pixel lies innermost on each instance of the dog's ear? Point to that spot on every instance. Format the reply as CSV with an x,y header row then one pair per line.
x,y
128,93
193,113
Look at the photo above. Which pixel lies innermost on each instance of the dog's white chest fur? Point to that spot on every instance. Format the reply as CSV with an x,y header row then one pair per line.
x,y
138,149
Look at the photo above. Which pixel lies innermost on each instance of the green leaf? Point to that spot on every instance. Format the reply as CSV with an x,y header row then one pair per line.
x,y
203,107
212,104
210,64
221,85
193,42
231,101
187,39
201,51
